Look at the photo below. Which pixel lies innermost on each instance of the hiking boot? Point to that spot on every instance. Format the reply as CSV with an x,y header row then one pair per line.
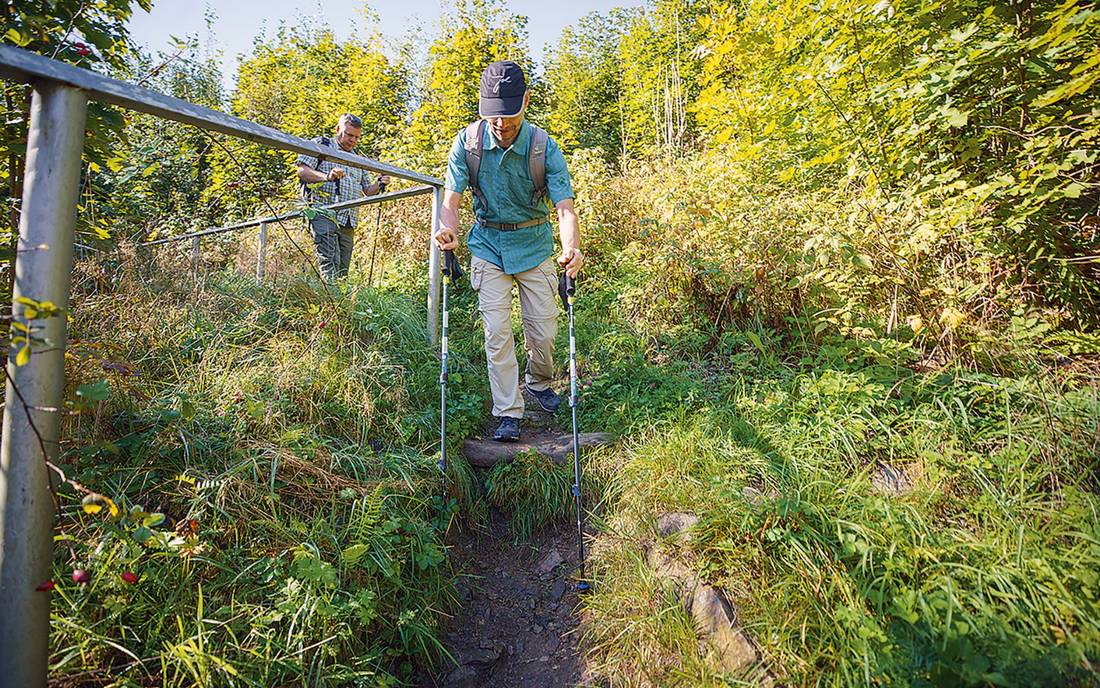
x,y
508,430
548,400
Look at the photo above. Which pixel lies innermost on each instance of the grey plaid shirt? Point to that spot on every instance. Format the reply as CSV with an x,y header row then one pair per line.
x,y
353,185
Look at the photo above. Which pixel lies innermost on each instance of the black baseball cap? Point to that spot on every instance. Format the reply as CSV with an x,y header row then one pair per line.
x,y
502,90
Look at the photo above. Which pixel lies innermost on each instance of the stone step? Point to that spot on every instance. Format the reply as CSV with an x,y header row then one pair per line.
x,y
485,453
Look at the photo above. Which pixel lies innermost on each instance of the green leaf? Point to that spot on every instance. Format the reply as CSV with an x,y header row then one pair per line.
x,y
1073,190
955,118
17,38
755,339
94,391
187,409
352,555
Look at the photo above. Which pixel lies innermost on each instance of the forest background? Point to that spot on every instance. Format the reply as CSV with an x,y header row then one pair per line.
x,y
825,237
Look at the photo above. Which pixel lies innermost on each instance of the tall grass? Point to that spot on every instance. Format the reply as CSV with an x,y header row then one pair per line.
x,y
983,573
272,453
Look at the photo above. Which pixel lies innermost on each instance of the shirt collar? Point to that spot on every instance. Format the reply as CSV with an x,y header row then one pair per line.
x,y
519,146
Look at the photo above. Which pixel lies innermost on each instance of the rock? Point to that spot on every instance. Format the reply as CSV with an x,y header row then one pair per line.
x,y
675,523
550,562
480,659
715,618
890,480
462,677
756,498
557,590
559,448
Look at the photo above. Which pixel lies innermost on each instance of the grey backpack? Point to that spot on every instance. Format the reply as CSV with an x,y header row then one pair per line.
x,y
536,160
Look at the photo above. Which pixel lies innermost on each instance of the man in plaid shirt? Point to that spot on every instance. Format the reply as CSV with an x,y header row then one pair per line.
x,y
335,240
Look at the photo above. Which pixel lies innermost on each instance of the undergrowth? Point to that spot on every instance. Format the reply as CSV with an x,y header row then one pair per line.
x,y
979,569
272,509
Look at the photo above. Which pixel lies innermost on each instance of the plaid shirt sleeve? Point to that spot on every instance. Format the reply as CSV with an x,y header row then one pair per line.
x,y
310,160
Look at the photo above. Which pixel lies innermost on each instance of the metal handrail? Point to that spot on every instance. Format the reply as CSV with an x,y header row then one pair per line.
x,y
343,205
27,67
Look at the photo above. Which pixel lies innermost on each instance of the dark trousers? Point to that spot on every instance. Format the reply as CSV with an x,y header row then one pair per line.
x,y
334,245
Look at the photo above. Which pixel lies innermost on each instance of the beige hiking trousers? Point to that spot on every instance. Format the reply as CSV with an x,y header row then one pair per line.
x,y
539,308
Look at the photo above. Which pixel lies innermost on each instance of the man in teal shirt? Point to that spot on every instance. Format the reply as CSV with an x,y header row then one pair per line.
x,y
511,240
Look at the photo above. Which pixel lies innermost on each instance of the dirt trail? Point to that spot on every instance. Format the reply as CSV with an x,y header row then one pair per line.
x,y
518,623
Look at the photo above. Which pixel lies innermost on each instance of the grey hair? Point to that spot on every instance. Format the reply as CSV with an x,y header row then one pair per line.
x,y
350,120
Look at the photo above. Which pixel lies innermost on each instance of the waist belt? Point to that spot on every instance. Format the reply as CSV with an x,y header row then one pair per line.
x,y
511,227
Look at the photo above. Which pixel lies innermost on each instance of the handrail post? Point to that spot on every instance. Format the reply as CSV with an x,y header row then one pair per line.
x,y
261,250
195,258
433,268
31,427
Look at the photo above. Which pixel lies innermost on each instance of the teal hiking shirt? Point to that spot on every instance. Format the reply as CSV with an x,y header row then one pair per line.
x,y
505,180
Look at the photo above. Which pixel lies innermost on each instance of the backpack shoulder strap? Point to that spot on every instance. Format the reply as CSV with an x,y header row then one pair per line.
x,y
536,162
475,134
303,187
324,142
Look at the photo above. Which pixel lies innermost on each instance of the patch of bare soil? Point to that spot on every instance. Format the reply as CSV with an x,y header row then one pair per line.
x,y
519,618
517,626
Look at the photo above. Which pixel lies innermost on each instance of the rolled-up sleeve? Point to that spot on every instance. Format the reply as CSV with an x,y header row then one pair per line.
x,y
458,176
307,160
558,184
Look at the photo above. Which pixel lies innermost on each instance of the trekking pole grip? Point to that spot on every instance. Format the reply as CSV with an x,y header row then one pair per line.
x,y
451,267
567,288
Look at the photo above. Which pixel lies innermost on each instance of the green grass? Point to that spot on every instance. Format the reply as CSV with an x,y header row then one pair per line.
x,y
289,441
983,574
304,455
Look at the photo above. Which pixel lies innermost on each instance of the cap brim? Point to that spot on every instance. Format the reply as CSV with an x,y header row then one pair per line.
x,y
500,107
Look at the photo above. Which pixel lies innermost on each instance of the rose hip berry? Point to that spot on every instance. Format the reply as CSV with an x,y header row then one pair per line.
x,y
43,587
130,577
81,576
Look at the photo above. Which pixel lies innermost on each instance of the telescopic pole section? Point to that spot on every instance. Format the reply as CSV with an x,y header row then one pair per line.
x,y
582,582
261,252
433,266
43,270
195,257
444,345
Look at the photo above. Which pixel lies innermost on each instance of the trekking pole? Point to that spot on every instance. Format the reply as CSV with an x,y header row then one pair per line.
x,y
567,288
373,237
451,270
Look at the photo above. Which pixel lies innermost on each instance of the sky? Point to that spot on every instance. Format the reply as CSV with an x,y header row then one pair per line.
x,y
239,21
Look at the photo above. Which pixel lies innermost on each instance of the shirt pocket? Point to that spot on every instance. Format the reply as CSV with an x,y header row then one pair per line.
x,y
520,189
